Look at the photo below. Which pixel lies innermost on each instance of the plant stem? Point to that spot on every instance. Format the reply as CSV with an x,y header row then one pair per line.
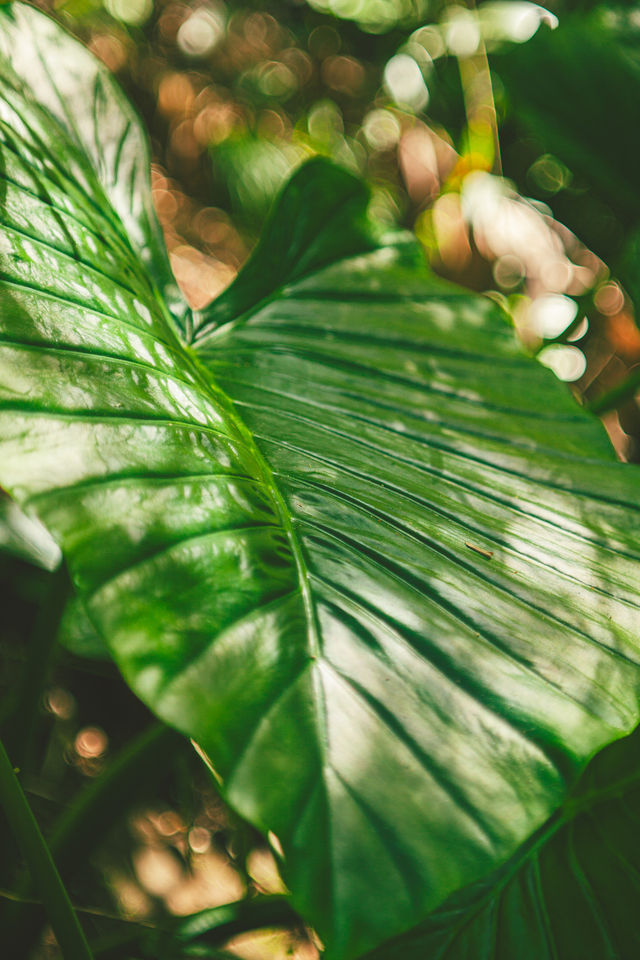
x,y
44,873
480,108
218,924
83,824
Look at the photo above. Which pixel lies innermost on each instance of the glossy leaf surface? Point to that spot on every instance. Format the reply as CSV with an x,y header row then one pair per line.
x,y
99,138
420,454
570,893
355,543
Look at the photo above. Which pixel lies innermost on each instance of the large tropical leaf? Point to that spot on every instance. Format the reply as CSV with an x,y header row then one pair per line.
x,y
570,893
350,539
403,427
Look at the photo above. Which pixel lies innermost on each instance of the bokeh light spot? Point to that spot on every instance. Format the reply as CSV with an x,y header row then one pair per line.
x,y
91,742
549,316
60,703
609,299
462,32
568,363
381,129
199,839
550,174
132,12
405,83
201,31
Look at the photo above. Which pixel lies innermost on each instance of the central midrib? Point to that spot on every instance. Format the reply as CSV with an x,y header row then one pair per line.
x,y
266,476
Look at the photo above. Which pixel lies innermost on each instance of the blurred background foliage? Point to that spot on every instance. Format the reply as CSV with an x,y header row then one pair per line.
x,y
505,136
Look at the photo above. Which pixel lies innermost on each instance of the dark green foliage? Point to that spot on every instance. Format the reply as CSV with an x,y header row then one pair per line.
x,y
570,892
571,88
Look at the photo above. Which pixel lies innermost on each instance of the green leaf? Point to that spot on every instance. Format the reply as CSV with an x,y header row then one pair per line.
x,y
447,509
100,141
351,540
334,225
570,893
217,925
577,105
25,537
571,88
252,170
78,634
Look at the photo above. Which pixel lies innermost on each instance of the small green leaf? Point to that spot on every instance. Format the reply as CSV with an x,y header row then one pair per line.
x,y
26,537
296,241
217,925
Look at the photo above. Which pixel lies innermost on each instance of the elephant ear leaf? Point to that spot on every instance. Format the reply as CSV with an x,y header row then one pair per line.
x,y
349,538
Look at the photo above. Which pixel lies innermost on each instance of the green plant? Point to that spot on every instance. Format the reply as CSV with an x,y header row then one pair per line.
x,y
337,528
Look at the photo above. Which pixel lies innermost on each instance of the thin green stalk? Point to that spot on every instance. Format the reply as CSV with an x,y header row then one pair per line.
x,y
94,810
480,108
216,925
44,873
